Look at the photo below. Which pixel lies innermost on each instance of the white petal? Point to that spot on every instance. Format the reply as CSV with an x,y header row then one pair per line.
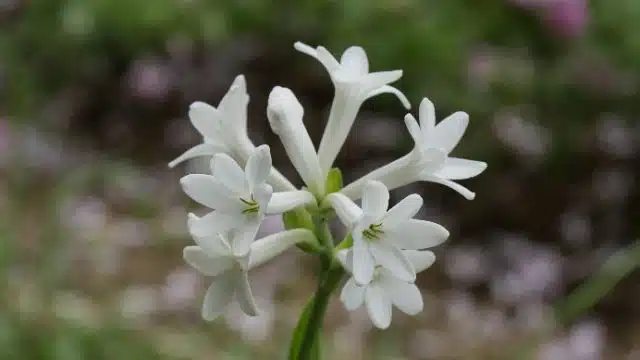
x,y
427,115
205,230
468,194
378,306
354,61
206,190
218,296
305,49
258,166
414,130
262,195
204,149
460,169
244,295
268,247
204,118
406,209
352,295
375,80
244,235
348,212
449,131
420,259
392,259
430,160
386,89
404,295
363,263
208,265
229,173
233,110
327,60
375,200
288,200
345,256
417,234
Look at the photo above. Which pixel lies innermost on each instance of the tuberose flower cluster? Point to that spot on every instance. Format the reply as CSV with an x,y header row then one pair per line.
x,y
385,248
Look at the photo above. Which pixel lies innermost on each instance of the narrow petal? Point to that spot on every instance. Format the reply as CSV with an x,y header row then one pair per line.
x,y
449,131
427,115
268,247
208,265
392,259
460,169
345,257
404,295
378,306
262,195
327,60
204,118
375,200
354,61
206,190
258,166
414,130
244,295
204,149
218,296
233,109
305,49
386,89
229,173
468,194
406,209
244,235
288,200
352,295
417,234
363,263
348,212
206,229
420,259
375,80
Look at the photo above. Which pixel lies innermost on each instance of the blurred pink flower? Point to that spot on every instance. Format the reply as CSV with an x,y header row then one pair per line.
x,y
566,18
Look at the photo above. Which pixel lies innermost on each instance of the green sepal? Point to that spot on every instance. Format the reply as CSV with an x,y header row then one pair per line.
x,y
334,181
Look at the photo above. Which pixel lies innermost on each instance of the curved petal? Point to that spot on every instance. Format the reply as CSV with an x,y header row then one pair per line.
x,y
205,230
233,109
204,118
229,173
305,49
208,265
206,190
354,61
327,60
375,80
375,200
348,212
417,234
427,115
352,295
268,247
345,257
258,166
244,235
404,295
420,259
288,200
392,259
386,89
244,295
218,296
262,195
363,263
460,169
468,194
204,149
449,131
414,130
378,306
406,209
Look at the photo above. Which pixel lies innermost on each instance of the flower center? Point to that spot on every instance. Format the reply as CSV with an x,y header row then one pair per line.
x,y
252,206
373,232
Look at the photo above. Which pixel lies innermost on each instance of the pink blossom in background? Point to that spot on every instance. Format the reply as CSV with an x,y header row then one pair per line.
x,y
567,18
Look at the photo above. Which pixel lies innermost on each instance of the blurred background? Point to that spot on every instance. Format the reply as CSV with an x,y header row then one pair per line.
x,y
93,103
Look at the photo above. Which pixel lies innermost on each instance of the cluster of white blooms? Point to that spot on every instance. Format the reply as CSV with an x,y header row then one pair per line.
x,y
385,248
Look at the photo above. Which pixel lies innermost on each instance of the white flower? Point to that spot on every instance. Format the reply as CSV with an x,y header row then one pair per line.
x,y
213,256
353,85
285,117
385,289
379,236
240,198
224,130
429,160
